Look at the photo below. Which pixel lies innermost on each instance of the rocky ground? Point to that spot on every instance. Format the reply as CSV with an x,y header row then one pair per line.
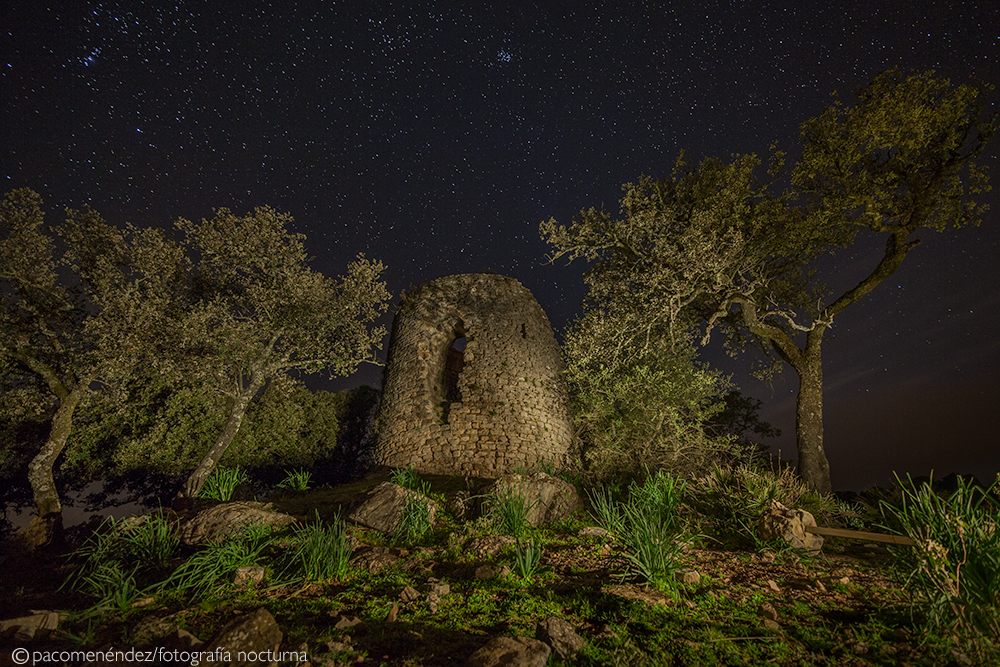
x,y
451,597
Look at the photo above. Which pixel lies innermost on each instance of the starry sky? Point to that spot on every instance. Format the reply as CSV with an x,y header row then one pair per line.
x,y
436,136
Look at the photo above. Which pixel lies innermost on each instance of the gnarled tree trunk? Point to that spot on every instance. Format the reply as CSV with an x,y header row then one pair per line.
x,y
48,509
239,409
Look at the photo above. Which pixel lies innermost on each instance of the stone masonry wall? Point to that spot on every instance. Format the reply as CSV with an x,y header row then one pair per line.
x,y
498,404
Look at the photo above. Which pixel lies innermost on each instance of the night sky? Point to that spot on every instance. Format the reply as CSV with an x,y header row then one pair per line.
x,y
436,136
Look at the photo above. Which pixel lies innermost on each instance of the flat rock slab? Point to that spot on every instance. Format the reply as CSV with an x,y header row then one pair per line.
x,y
222,520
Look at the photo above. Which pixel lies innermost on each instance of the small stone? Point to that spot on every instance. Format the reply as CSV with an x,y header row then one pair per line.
x,y
333,647
409,594
250,574
504,650
393,613
771,625
345,622
687,575
773,585
438,589
593,531
767,611
561,636
860,648
492,571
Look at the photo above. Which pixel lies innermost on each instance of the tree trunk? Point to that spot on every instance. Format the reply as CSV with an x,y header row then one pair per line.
x,y
48,508
207,465
813,465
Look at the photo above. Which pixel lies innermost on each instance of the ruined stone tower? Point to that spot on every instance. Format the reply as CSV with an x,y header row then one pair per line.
x,y
473,383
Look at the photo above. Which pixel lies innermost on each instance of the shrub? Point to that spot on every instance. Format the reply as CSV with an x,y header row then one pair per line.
x,y
732,498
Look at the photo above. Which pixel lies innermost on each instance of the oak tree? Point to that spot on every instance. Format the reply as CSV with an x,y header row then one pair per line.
x,y
58,286
713,245
257,311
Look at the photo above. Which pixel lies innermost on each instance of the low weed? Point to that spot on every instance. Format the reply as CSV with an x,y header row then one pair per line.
x,y
956,562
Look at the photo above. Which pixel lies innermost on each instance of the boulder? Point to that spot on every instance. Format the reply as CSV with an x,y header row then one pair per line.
x,y
224,519
509,651
549,498
26,628
780,522
252,640
383,509
561,636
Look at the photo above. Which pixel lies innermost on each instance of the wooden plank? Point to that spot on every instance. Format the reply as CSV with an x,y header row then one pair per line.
x,y
861,535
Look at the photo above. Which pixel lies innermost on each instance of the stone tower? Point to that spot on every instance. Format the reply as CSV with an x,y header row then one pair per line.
x,y
474,381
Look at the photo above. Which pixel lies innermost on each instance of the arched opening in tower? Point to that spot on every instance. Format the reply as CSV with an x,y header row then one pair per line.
x,y
453,366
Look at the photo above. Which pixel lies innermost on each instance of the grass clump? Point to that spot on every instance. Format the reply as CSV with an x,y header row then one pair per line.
x,y
527,558
955,565
649,526
120,558
219,561
223,482
409,479
296,480
415,520
509,510
321,552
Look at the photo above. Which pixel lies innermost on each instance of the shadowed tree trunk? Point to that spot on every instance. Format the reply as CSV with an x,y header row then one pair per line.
x,y
813,465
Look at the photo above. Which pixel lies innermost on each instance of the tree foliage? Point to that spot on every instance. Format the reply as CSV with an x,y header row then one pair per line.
x,y
168,429
56,284
213,318
258,311
714,245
